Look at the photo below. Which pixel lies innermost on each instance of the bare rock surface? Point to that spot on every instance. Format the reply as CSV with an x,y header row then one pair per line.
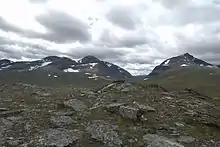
x,y
116,114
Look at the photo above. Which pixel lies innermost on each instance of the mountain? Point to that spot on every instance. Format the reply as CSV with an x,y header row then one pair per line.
x,y
90,66
182,61
206,80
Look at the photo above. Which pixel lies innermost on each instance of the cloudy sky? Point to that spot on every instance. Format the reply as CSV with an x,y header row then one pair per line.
x,y
135,34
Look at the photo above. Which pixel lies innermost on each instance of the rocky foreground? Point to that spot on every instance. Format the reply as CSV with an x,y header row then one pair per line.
x,y
116,115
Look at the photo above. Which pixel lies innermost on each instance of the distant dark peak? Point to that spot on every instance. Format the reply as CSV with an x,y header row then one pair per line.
x,y
188,55
89,59
51,58
5,61
67,59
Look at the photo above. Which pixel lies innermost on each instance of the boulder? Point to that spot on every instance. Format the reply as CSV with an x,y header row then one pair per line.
x,y
55,137
144,108
128,112
105,133
61,121
186,139
76,105
153,140
114,107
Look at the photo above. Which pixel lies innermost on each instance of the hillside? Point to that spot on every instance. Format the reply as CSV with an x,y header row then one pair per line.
x,y
90,66
117,114
206,80
181,61
51,106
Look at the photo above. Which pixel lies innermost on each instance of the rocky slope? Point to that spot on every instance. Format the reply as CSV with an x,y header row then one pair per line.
x,y
114,115
89,65
182,61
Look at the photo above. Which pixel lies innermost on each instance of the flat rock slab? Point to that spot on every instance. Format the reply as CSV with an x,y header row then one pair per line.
x,y
61,121
153,140
55,137
11,113
186,139
104,132
128,112
114,107
76,105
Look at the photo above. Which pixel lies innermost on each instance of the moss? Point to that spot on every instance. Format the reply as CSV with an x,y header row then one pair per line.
x,y
203,132
196,78
30,100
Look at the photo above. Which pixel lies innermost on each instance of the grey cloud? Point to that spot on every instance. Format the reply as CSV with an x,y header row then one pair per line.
x,y
216,2
206,44
134,59
38,1
212,58
100,52
12,51
5,26
198,14
182,13
130,41
18,49
63,27
171,4
123,17
126,41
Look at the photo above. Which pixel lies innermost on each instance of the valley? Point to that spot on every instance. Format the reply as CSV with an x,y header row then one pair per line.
x,y
60,102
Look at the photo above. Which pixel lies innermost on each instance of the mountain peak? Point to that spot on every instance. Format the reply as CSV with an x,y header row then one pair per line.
x,y
187,54
4,62
181,61
51,58
89,59
89,66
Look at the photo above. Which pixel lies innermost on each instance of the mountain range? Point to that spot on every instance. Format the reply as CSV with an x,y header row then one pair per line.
x,y
89,65
60,102
93,68
180,62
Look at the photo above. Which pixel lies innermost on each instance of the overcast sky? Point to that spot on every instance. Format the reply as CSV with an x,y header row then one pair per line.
x,y
135,34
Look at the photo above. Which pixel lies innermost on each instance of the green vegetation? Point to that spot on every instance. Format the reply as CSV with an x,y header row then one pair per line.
x,y
204,80
61,79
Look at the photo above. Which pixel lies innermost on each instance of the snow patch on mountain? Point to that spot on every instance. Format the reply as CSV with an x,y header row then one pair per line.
x,y
210,66
109,65
166,63
184,65
92,65
33,68
70,70
201,65
94,76
145,79
6,66
39,66
45,64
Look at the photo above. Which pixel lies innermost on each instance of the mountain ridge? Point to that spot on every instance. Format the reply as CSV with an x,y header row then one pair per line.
x,y
89,65
181,61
